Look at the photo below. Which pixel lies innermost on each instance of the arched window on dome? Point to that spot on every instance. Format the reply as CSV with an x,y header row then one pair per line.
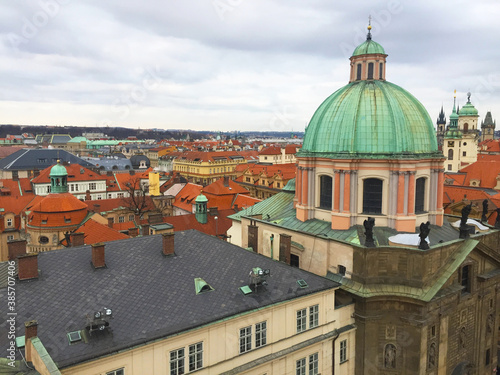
x,y
450,154
370,70
325,192
381,71
358,72
372,196
420,195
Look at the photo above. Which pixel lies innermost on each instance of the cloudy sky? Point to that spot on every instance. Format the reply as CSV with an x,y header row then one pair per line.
x,y
233,64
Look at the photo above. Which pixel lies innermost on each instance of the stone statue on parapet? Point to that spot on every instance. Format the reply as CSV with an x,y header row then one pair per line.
x,y
464,228
369,224
424,233
485,211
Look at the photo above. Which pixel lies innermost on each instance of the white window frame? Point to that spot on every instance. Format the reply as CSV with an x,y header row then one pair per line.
x,y
300,367
120,371
260,334
313,316
245,339
9,222
121,219
343,351
301,320
195,356
314,364
176,361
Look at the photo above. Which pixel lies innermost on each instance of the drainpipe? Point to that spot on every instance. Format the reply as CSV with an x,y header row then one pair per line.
x,y
272,239
333,351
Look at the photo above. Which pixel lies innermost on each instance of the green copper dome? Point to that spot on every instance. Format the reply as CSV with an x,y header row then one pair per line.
x,y
468,110
58,170
201,198
368,47
370,119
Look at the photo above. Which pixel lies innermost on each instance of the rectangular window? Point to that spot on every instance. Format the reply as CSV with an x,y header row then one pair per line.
x,y
9,222
465,279
130,217
301,367
313,316
121,219
342,269
313,364
301,320
120,371
72,187
177,362
92,186
195,356
487,359
76,187
10,237
120,195
260,334
245,339
343,351
449,167
464,153
294,260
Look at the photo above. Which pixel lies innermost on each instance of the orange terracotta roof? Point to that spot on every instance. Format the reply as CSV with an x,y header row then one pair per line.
x,y
106,205
75,173
57,210
186,196
490,145
217,188
291,149
273,150
96,232
458,178
17,188
485,171
185,222
16,204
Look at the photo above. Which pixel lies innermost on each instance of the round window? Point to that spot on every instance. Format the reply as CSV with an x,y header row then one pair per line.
x,y
465,143
43,239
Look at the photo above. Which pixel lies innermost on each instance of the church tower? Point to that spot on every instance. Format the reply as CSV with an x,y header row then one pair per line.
x,y
452,141
441,127
488,128
370,150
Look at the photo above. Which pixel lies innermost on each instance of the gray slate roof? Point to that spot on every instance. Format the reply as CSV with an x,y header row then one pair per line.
x,y
31,158
151,296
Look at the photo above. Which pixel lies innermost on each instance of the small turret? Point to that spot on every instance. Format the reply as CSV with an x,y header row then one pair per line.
x,y
58,178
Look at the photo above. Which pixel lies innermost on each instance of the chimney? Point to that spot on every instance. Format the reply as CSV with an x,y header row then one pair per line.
x,y
16,248
137,219
110,222
28,266
133,232
285,248
168,244
155,218
236,208
145,229
30,332
214,210
77,239
97,208
109,173
87,195
98,255
226,181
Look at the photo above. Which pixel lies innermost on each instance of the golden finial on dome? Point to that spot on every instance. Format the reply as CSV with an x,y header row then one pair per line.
x,y
455,93
369,36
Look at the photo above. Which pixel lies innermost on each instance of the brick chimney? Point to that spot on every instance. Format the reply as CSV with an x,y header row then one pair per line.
x,y
98,260
77,239
226,181
87,195
155,218
30,332
168,244
133,232
110,222
145,229
285,248
16,248
28,266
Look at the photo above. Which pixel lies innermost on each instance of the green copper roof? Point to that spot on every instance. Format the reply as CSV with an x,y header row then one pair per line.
x,y
201,199
370,119
58,170
368,47
468,110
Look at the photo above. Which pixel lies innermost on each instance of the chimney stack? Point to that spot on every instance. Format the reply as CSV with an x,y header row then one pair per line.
x,y
28,266
16,248
98,260
30,332
133,232
226,181
77,239
285,248
110,222
168,244
87,195
145,229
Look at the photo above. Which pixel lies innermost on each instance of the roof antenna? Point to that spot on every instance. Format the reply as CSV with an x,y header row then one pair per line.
x,y
369,35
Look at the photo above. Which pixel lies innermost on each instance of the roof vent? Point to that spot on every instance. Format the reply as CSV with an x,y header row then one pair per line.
x,y
74,337
201,286
258,277
99,320
302,284
245,290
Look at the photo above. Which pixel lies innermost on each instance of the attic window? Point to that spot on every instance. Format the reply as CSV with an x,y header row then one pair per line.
x,y
67,220
302,283
201,286
74,337
245,290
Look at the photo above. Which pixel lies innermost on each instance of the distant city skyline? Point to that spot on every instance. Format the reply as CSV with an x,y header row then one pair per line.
x,y
226,65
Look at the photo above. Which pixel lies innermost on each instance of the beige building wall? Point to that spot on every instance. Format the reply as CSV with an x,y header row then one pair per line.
x,y
221,343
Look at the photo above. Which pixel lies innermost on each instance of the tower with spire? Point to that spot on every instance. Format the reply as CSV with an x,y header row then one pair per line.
x,y
488,127
441,126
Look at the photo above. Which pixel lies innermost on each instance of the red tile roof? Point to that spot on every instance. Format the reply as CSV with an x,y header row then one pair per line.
x,y
57,210
490,145
185,222
484,170
75,173
96,232
17,188
218,188
186,196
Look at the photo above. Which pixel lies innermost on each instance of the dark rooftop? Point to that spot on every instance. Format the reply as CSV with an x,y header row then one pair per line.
x,y
151,296
29,159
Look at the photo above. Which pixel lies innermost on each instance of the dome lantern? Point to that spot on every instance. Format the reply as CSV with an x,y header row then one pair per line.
x,y
58,178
